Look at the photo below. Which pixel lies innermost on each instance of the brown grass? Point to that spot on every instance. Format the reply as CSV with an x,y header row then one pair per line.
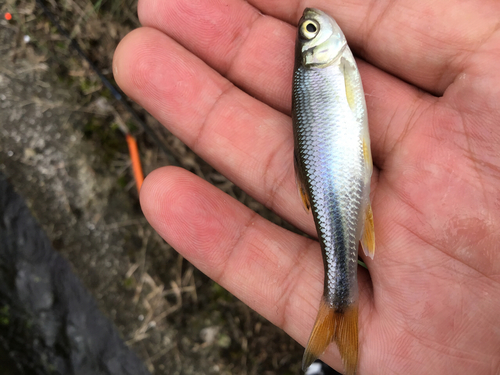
x,y
186,323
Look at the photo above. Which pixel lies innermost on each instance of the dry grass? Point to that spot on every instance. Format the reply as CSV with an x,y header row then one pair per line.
x,y
186,324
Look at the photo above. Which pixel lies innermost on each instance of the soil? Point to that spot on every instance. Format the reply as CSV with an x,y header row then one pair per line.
x,y
61,149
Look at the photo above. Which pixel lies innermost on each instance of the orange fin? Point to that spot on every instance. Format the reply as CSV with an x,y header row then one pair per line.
x,y
368,238
341,327
321,335
300,185
305,199
346,338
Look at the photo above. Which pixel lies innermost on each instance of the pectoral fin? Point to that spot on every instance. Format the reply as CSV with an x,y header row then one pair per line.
x,y
368,238
349,80
341,327
300,184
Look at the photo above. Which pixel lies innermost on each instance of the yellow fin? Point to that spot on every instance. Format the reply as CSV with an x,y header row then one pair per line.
x,y
305,199
368,238
331,325
321,335
367,155
349,82
300,185
349,93
346,338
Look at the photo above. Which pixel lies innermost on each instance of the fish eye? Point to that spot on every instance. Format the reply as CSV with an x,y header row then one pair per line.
x,y
309,29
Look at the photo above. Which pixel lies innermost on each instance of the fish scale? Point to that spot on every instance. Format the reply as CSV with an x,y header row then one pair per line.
x,y
333,166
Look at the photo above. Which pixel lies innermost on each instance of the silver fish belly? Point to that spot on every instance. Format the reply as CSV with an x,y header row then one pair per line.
x,y
333,166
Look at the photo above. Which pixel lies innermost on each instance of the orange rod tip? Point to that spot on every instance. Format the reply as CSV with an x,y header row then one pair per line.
x,y
136,161
8,16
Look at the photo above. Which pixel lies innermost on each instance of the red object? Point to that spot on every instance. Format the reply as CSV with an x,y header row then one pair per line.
x,y
136,162
8,16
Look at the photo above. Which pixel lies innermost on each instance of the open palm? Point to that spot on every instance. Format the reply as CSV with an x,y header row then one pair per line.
x,y
218,74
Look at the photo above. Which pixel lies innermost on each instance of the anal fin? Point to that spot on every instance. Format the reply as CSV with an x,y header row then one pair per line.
x,y
368,238
341,327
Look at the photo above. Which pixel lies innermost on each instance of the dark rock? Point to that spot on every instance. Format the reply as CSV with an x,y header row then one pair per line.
x,y
49,323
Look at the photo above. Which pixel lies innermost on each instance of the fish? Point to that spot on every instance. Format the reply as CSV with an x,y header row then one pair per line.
x,y
333,166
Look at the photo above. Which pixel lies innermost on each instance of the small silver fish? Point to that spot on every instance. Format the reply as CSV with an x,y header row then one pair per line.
x,y
333,165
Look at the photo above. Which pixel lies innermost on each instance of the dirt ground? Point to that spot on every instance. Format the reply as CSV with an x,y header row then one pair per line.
x,y
61,149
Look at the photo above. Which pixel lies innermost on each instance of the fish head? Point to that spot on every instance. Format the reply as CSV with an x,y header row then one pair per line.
x,y
320,41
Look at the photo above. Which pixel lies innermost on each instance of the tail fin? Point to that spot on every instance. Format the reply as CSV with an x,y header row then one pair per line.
x,y
341,327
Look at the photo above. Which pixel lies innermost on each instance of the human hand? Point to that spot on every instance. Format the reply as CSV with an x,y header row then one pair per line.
x,y
218,74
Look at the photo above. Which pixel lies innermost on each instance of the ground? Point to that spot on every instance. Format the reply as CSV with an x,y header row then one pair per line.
x,y
61,149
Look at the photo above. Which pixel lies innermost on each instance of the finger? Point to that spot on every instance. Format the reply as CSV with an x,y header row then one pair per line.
x,y
244,139
276,272
426,43
247,141
254,52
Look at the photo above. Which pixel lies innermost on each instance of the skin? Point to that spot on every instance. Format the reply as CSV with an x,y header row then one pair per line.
x,y
218,74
